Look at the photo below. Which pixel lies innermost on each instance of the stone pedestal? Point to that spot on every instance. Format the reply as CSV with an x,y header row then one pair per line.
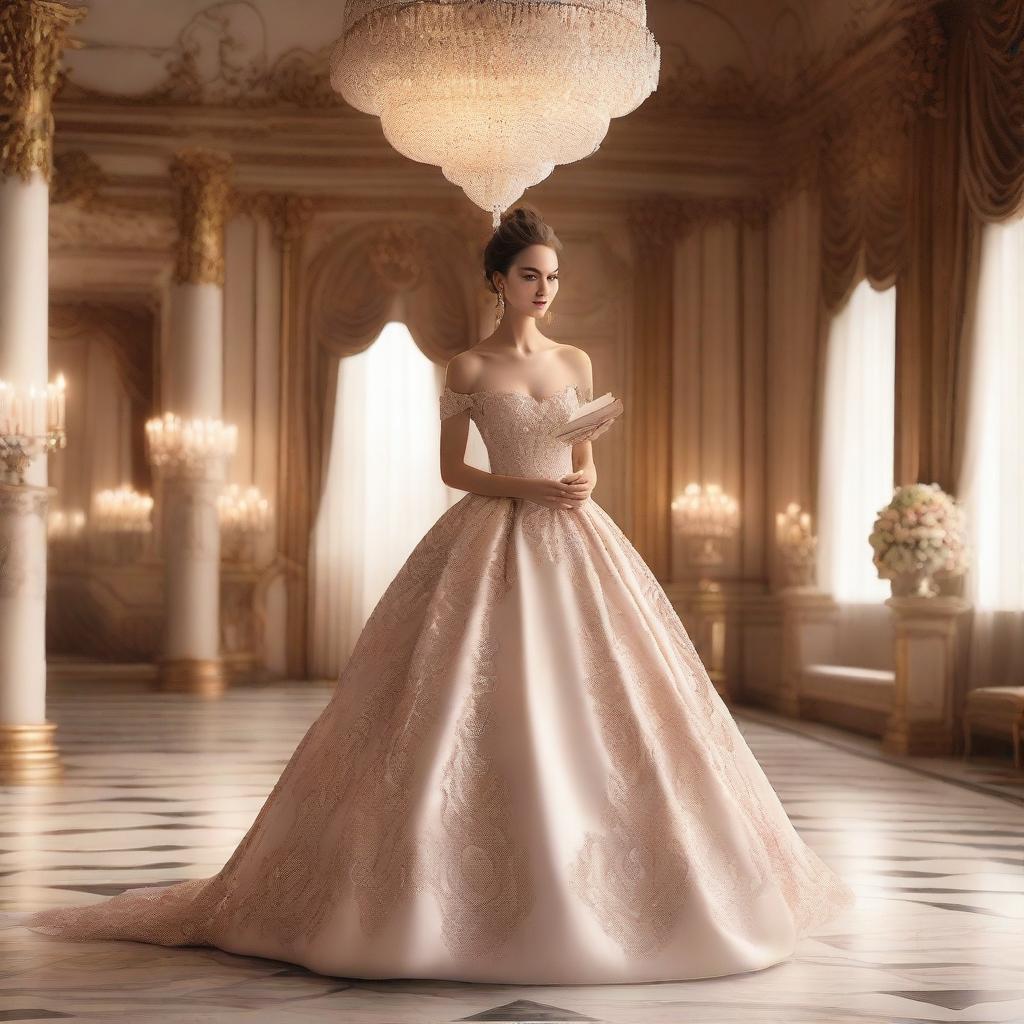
x,y
921,721
708,616
809,636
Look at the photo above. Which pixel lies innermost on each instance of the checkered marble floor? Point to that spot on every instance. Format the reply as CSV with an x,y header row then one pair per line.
x,y
160,788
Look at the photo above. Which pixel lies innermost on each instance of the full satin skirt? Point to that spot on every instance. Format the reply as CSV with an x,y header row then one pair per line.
x,y
524,775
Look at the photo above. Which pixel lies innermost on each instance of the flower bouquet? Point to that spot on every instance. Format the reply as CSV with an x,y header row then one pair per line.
x,y
919,535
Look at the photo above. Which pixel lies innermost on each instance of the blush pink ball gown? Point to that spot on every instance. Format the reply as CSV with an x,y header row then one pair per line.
x,y
524,775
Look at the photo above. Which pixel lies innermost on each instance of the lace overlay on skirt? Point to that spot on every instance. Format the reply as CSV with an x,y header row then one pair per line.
x,y
524,774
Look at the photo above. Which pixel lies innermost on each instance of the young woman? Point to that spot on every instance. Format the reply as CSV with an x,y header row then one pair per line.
x,y
524,774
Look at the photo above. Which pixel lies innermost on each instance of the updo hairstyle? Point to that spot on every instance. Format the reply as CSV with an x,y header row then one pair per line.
x,y
520,227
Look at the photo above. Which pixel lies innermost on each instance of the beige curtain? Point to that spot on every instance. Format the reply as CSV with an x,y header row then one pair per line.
x,y
106,356
413,273
863,187
992,90
993,472
382,490
793,358
418,274
967,167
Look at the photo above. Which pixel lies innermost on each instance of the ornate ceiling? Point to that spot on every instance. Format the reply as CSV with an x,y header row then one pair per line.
x,y
746,93
255,52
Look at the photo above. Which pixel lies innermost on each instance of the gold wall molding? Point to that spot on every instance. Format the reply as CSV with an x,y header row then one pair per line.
x,y
33,34
220,58
853,128
288,215
77,178
202,190
86,213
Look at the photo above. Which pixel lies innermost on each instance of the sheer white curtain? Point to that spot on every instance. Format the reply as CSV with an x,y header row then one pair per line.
x,y
856,474
993,482
383,489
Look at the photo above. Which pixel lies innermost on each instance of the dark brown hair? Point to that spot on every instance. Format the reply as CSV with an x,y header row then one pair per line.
x,y
521,226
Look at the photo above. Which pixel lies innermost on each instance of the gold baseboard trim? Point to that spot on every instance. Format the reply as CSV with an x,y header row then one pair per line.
x,y
204,677
29,754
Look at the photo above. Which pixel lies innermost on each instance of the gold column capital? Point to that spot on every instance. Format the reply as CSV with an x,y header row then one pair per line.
x,y
288,215
32,38
201,179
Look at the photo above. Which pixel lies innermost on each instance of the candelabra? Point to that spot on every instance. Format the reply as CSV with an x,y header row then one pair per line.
x,y
244,515
706,516
189,445
797,545
61,525
121,524
32,423
65,532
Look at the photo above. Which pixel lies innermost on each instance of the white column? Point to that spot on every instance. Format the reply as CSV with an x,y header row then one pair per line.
x,y
32,45
193,389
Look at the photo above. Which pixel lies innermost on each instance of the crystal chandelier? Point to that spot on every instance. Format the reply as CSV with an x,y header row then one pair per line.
x,y
495,92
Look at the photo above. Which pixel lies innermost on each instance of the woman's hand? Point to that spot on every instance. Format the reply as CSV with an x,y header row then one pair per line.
x,y
585,478
567,493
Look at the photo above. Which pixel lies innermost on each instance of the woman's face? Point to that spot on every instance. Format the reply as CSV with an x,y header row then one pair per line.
x,y
532,281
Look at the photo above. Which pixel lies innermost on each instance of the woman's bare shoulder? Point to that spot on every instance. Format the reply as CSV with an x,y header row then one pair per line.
x,y
462,371
575,357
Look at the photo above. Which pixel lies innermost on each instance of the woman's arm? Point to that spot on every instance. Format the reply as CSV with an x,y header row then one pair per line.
x,y
460,375
584,470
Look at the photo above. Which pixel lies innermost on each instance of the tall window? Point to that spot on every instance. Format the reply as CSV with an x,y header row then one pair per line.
x,y
993,481
856,474
383,489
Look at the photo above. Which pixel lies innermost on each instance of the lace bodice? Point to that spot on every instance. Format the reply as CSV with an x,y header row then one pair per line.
x,y
517,428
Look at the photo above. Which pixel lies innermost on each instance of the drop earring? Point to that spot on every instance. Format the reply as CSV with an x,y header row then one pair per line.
x,y
499,309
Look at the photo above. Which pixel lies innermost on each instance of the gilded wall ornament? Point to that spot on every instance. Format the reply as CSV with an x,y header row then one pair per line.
x,y
32,39
202,190
77,178
398,257
288,215
219,58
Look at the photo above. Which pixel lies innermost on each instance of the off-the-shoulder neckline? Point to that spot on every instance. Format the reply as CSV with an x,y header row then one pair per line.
x,y
518,394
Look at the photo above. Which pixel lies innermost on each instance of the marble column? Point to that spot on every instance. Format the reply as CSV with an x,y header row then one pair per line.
x,y
655,224
32,38
192,388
